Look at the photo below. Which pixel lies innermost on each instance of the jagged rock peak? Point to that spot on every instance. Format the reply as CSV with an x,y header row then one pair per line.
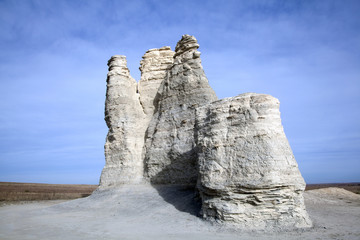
x,y
187,43
156,59
118,66
117,61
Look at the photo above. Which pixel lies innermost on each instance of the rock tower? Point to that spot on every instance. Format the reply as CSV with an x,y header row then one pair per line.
x,y
170,129
124,116
247,172
170,143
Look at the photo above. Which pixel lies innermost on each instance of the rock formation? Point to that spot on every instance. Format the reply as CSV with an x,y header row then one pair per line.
x,y
170,144
247,172
153,69
127,114
170,129
124,116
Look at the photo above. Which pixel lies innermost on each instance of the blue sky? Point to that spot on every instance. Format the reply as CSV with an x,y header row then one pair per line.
x,y
53,57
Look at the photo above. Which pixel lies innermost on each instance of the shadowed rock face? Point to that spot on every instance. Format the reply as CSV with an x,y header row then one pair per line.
x,y
170,129
170,144
247,172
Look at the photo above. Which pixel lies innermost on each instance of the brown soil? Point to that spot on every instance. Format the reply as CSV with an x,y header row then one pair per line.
x,y
10,191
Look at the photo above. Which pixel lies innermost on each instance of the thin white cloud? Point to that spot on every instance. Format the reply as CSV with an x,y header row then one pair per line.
x,y
53,65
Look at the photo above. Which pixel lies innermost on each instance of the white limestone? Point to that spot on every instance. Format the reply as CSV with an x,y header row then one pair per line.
x,y
248,173
124,117
170,144
170,129
153,67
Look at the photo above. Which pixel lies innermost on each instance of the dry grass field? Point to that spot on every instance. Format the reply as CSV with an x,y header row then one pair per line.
x,y
352,187
10,191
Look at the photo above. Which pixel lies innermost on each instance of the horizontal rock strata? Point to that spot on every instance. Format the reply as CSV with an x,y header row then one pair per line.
x,y
153,67
248,175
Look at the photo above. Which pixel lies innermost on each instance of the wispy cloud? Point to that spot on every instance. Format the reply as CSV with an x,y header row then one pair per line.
x,y
53,58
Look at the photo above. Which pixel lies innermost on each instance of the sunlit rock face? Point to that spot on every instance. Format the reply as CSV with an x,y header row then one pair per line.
x,y
170,129
248,175
124,117
153,67
171,155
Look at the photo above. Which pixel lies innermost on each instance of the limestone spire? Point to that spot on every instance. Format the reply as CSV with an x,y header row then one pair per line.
x,y
153,67
123,116
170,144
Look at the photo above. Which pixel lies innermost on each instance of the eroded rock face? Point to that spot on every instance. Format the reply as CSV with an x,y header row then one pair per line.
x,y
170,129
127,114
170,144
248,175
124,117
153,67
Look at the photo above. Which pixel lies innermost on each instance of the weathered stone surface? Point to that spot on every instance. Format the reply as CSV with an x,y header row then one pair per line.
x,y
248,175
153,69
124,117
170,144
169,129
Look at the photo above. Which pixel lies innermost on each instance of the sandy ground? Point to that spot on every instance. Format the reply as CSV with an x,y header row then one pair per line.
x,y
145,212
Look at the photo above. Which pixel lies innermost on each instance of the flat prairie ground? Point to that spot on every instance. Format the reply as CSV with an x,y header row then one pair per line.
x,y
352,187
163,212
12,191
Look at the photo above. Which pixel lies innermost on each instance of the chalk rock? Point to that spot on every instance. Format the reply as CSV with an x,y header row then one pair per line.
x,y
248,175
124,117
170,129
153,69
171,156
